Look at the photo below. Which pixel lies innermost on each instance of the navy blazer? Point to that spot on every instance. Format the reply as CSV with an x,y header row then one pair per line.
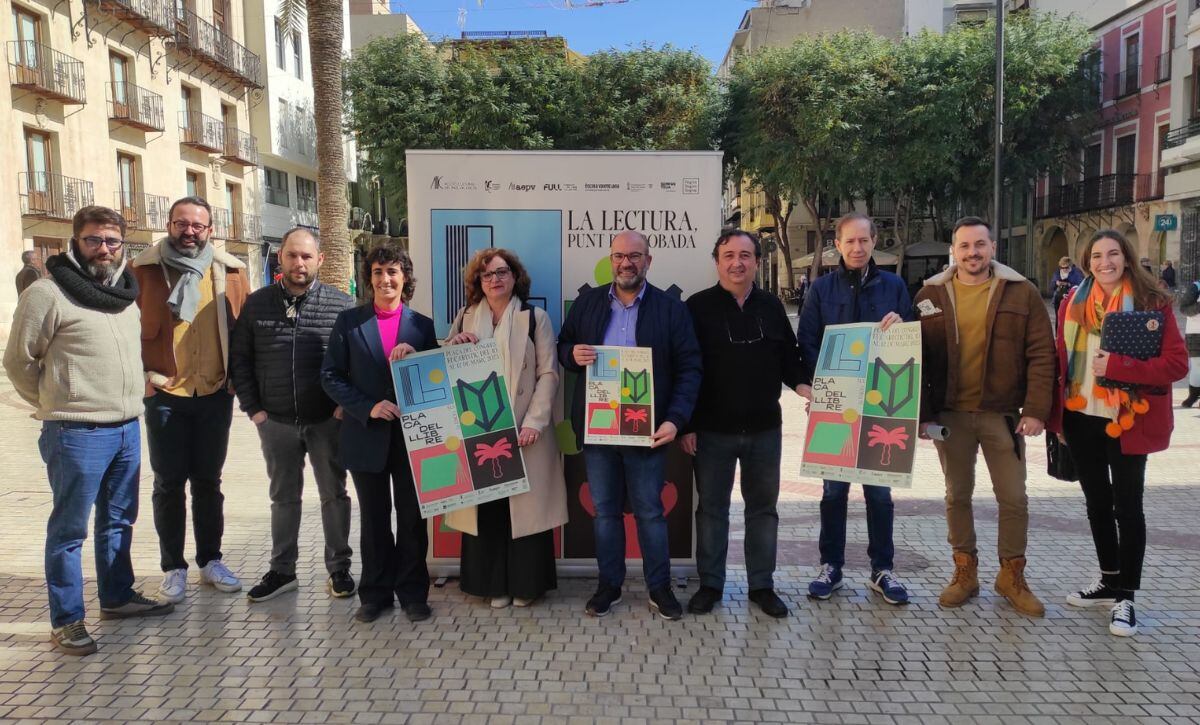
x,y
664,325
357,375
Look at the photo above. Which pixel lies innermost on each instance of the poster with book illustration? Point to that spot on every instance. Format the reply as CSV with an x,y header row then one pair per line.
x,y
458,427
862,423
619,409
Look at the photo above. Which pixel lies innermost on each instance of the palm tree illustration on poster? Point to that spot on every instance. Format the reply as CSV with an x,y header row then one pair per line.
x,y
458,427
619,409
862,424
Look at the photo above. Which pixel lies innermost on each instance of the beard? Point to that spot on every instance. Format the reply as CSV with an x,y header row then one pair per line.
x,y
102,272
191,252
630,284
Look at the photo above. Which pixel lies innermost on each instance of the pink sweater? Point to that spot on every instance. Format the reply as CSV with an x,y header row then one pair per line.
x,y
389,327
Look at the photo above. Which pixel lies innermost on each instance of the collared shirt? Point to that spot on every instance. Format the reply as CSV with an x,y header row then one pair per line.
x,y
622,323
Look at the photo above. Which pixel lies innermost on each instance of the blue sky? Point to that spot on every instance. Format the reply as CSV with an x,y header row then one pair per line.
x,y
704,25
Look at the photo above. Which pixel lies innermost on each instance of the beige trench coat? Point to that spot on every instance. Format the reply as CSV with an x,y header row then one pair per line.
x,y
544,506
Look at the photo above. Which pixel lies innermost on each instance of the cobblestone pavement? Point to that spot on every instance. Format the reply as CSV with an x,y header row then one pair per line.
x,y
852,659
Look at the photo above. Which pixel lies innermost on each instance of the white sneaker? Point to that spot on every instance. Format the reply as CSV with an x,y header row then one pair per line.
x,y
1124,621
217,574
174,586
501,602
519,602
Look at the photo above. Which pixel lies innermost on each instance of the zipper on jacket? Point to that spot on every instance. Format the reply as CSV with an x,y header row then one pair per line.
x,y
295,393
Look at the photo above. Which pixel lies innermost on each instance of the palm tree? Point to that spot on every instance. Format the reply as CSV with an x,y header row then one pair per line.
x,y
326,32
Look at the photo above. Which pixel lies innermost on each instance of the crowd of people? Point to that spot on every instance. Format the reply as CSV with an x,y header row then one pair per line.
x,y
176,335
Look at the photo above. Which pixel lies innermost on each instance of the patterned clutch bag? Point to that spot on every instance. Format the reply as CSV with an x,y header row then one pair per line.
x,y
1133,334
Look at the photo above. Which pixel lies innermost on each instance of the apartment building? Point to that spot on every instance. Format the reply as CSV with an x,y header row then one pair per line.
x,y
130,104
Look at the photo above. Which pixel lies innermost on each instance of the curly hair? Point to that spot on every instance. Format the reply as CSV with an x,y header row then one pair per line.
x,y
389,253
473,274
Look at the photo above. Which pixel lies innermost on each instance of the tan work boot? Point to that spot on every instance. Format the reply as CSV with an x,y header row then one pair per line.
x,y
1010,584
965,583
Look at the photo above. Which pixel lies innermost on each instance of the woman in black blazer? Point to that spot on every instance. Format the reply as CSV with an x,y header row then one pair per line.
x,y
357,374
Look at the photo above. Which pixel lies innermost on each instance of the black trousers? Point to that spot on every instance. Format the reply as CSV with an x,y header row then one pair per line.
x,y
1112,484
188,440
392,564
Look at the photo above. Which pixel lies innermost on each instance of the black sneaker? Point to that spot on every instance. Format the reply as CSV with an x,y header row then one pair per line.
x,y
272,585
370,611
603,600
341,584
768,601
703,601
138,606
1097,595
1124,621
664,602
417,611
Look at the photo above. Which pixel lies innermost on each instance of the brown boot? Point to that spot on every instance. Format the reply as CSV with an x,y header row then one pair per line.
x,y
965,583
1010,584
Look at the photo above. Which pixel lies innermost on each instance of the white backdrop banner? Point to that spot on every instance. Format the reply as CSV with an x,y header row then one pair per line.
x,y
559,211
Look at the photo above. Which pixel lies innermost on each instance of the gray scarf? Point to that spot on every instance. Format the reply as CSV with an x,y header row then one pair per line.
x,y
184,298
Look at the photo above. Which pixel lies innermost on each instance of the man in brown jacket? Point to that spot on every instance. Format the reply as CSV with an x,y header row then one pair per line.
x,y
190,295
988,378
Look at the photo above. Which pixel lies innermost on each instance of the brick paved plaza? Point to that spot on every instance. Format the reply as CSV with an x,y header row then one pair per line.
x,y
852,659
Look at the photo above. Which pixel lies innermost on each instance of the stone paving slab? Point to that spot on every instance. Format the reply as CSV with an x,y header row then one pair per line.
x,y
852,659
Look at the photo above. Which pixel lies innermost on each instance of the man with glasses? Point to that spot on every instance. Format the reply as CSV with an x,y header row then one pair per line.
x,y
856,291
191,294
73,355
633,313
749,354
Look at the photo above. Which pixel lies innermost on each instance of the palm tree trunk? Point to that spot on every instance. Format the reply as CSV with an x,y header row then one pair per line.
x,y
325,34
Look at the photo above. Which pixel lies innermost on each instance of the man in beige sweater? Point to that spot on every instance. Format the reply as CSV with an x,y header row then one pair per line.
x,y
75,355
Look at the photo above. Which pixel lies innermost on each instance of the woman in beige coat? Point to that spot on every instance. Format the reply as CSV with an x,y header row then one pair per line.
x,y
508,545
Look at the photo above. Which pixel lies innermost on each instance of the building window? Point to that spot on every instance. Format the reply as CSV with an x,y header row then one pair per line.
x,y
306,194
280,52
195,184
298,54
285,112
127,186
276,186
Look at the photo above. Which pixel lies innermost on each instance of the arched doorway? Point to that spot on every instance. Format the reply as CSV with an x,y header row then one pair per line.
x,y
1054,248
1085,235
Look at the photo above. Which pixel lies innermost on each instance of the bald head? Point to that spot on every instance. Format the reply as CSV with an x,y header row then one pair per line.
x,y
300,234
629,236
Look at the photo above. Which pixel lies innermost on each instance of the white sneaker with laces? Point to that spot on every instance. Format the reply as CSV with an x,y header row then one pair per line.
x,y
1124,621
217,574
500,602
174,586
1096,595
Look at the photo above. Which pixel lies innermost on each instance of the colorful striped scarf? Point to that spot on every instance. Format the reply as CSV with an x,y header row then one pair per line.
x,y
1085,316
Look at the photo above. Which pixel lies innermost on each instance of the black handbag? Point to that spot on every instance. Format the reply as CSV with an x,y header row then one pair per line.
x,y
1059,462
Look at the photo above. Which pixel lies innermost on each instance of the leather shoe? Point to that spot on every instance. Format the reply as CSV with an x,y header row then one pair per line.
x,y
370,611
417,611
703,601
768,601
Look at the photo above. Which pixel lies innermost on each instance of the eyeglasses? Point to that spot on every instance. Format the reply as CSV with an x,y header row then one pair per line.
x,y
635,258
499,274
112,243
747,334
183,226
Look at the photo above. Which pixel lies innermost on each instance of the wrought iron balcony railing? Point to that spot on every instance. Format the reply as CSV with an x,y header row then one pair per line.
x,y
144,212
156,17
52,196
45,72
195,35
240,147
201,132
1179,136
1099,192
1126,83
135,106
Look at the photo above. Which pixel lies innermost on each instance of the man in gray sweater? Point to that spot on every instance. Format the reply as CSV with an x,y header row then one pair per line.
x,y
74,353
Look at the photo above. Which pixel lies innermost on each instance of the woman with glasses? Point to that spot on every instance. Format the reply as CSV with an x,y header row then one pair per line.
x,y
508,545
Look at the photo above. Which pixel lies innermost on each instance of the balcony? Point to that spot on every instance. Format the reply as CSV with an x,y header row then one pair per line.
x,y
247,227
52,197
1099,192
1126,82
201,132
210,44
1179,136
240,147
1162,68
144,212
154,17
45,72
135,106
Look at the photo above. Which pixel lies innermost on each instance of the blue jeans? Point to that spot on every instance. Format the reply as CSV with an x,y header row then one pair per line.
x,y
879,525
717,455
615,472
90,464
